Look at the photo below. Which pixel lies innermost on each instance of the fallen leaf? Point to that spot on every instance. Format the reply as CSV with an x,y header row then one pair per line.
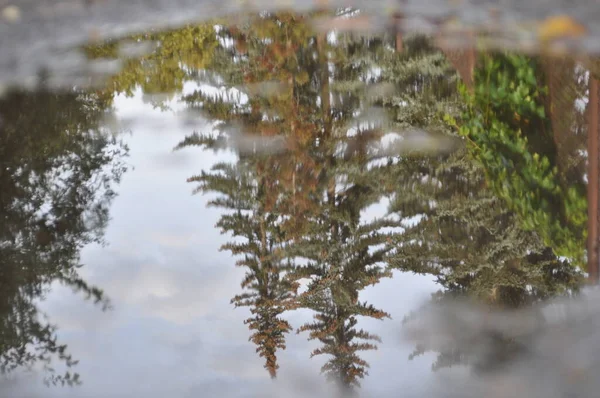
x,y
561,26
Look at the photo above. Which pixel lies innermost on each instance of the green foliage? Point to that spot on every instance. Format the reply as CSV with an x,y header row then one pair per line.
x,y
502,118
425,85
57,170
473,245
461,230
469,239
174,56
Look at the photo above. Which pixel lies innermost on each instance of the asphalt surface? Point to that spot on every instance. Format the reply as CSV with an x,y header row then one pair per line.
x,y
36,34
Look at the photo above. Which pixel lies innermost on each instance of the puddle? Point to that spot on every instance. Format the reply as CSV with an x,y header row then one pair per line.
x,y
251,204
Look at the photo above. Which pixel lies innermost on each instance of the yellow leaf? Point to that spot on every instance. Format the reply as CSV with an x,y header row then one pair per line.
x,y
560,26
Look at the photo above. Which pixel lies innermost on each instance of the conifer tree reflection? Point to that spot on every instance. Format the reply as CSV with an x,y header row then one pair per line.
x,y
291,195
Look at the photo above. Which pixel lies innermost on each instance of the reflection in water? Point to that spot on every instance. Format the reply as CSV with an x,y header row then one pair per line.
x,y
247,194
56,172
485,220
481,158
307,112
513,139
299,210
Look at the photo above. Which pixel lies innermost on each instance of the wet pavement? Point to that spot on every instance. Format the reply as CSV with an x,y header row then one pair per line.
x,y
45,35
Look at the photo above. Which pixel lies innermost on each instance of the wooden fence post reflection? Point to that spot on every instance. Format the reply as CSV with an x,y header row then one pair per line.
x,y
593,182
462,59
397,26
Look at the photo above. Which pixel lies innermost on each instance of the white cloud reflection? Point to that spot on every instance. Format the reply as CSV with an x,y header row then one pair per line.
x,y
173,331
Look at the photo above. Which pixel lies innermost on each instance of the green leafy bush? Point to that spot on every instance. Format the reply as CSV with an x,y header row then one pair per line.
x,y
508,131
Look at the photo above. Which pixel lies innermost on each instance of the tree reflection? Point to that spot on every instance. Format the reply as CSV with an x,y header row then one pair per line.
x,y
57,169
515,131
247,195
497,219
470,239
481,233
165,65
298,205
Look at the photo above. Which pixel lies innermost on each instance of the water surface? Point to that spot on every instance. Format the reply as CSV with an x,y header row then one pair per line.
x,y
252,205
